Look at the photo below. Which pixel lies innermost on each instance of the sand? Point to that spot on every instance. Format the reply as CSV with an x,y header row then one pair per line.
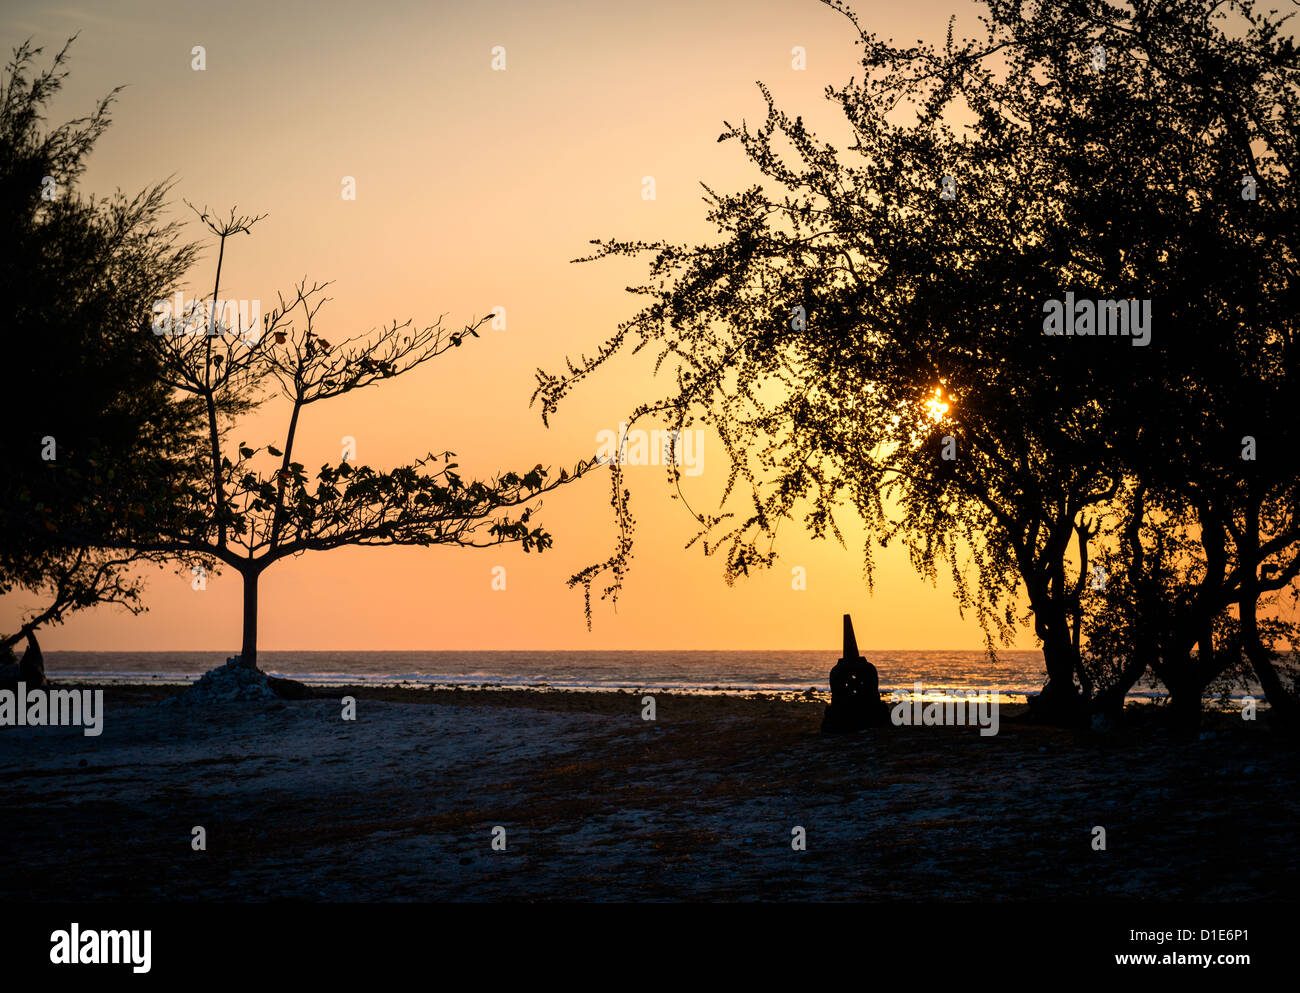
x,y
598,804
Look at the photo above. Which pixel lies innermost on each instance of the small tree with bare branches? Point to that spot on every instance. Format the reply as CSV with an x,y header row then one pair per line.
x,y
247,514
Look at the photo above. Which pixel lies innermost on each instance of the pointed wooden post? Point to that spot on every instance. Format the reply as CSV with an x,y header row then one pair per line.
x,y
850,642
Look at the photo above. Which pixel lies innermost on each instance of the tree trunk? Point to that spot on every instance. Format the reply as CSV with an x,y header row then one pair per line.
x,y
1110,701
1059,702
1186,685
248,652
1284,706
32,665
1185,706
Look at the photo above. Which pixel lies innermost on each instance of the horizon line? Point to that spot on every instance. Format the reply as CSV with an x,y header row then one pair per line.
x,y
262,651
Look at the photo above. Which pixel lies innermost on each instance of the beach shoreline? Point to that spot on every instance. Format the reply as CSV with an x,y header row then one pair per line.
x,y
596,803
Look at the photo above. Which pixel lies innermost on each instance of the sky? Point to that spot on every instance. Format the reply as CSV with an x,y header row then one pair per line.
x,y
475,188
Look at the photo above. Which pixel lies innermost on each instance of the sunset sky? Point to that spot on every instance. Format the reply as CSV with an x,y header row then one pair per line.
x,y
475,189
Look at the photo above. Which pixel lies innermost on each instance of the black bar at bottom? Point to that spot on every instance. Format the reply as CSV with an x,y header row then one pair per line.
x,y
1012,944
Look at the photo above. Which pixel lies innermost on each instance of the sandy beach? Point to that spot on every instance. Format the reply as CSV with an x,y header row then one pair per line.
x,y
599,804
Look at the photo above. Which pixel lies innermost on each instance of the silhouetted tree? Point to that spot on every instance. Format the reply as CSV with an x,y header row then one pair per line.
x,y
91,436
1216,440
250,516
871,323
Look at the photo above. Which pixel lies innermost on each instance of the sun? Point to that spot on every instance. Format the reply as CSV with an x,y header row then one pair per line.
x,y
936,406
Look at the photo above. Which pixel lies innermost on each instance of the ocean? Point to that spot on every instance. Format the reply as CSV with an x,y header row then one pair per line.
x,y
784,673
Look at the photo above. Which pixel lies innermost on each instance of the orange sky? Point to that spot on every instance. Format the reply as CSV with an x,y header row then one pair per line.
x,y
474,189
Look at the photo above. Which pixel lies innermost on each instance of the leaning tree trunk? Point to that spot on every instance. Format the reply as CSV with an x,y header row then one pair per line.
x,y
1284,706
1109,701
248,651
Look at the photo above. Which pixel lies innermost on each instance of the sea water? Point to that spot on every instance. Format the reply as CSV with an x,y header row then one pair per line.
x,y
785,673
